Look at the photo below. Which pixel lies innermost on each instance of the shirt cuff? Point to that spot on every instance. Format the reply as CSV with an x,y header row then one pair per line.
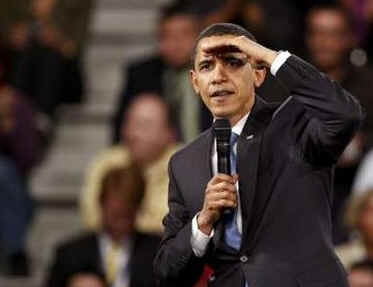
x,y
279,61
199,240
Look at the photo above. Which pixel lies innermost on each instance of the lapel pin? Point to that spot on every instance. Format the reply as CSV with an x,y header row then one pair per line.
x,y
250,137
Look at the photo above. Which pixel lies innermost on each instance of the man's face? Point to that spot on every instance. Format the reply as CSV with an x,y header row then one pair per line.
x,y
42,8
146,131
224,78
118,215
329,38
176,39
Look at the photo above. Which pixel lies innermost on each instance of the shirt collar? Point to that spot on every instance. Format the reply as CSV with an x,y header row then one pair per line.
x,y
238,127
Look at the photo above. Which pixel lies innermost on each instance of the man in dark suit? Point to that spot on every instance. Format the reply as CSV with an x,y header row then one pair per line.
x,y
166,72
119,253
269,224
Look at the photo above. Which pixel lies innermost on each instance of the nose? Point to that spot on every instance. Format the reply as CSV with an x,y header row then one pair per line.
x,y
219,73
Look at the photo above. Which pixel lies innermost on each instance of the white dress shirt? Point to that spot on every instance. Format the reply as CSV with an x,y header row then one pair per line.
x,y
199,240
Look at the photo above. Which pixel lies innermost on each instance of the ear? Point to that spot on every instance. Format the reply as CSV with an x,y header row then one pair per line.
x,y
259,76
194,80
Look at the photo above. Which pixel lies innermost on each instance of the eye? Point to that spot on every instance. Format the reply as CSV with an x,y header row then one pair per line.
x,y
234,62
205,66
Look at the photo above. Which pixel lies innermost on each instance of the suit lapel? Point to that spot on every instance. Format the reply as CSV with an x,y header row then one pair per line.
x,y
93,246
249,149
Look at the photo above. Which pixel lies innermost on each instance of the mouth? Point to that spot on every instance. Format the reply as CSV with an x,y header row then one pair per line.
x,y
221,93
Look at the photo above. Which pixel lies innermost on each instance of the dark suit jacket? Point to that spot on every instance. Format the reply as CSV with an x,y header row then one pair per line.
x,y
285,163
146,76
82,255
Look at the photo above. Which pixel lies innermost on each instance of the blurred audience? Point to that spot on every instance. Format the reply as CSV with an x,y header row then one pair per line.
x,y
117,250
361,274
20,150
47,49
148,139
359,218
167,74
362,14
329,40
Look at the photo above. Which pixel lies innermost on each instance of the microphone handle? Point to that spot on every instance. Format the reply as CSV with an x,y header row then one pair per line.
x,y
224,164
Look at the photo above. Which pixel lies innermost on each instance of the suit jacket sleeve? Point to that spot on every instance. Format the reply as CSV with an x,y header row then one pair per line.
x,y
175,263
333,114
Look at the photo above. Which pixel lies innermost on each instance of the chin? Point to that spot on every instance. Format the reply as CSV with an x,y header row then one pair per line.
x,y
220,113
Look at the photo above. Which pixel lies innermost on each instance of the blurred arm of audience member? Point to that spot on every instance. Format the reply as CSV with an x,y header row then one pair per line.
x,y
19,135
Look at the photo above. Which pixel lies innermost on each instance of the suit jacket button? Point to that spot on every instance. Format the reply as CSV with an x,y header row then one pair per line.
x,y
243,259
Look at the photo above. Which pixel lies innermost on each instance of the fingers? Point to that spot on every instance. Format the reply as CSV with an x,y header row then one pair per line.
x,y
221,177
223,199
226,45
221,192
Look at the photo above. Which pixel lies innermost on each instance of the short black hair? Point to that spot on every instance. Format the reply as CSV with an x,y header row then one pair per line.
x,y
220,29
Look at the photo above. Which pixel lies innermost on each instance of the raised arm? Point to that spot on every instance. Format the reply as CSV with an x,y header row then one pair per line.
x,y
333,114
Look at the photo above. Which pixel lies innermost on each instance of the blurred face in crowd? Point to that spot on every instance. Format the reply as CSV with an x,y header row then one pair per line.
x,y
118,214
86,280
146,130
368,10
328,38
360,278
176,39
224,78
365,222
42,8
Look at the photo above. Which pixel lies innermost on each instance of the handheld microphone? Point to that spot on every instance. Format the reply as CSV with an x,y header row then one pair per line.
x,y
222,129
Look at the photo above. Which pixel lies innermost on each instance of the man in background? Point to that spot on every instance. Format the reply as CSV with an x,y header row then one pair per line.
x,y
118,251
166,73
148,139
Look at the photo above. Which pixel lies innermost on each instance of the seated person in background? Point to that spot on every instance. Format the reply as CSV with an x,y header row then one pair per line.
x,y
167,74
361,274
148,139
87,279
359,217
48,46
20,151
117,250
